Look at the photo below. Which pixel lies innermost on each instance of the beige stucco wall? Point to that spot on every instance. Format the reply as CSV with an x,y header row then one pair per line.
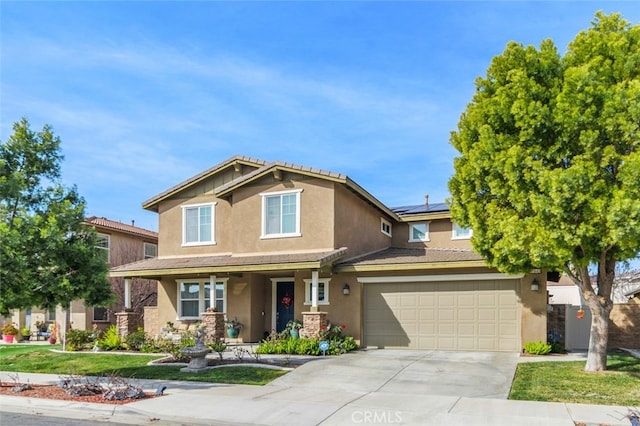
x,y
534,309
357,224
167,301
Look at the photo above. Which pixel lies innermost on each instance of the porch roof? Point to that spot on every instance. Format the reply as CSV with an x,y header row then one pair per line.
x,y
395,258
258,262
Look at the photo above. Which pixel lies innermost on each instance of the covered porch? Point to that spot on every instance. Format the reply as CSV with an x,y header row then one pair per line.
x,y
263,292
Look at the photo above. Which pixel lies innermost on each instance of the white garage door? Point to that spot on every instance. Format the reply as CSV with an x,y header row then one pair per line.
x,y
460,315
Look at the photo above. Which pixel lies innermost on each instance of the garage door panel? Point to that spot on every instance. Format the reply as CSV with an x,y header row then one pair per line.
x,y
485,314
467,315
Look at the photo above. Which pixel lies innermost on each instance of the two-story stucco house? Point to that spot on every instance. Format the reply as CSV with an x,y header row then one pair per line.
x,y
270,241
120,243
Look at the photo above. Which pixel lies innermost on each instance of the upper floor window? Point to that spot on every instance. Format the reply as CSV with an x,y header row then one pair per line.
x,y
104,245
198,224
196,296
418,232
323,291
150,250
460,233
281,214
385,227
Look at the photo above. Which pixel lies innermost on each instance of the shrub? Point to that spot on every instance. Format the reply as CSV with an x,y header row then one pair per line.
x,y
110,340
537,348
280,343
134,341
218,347
78,340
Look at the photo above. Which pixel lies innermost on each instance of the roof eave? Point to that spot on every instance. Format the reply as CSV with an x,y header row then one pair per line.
x,y
373,200
410,266
425,216
268,170
212,270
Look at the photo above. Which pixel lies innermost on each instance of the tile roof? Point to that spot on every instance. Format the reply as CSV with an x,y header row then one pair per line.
x,y
402,256
103,222
168,264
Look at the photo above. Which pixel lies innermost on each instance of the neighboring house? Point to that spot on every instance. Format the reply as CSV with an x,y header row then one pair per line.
x,y
564,292
267,242
121,243
573,330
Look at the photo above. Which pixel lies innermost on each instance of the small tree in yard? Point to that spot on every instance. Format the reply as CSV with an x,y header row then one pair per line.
x,y
549,171
47,257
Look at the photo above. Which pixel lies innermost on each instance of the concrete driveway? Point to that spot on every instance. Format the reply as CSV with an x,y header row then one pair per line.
x,y
441,373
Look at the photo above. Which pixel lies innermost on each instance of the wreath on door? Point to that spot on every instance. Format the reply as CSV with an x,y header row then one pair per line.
x,y
286,300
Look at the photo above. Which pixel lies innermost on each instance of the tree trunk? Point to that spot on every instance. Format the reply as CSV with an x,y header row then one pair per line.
x,y
599,337
600,305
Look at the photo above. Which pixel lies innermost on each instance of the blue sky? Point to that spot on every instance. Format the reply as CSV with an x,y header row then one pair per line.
x,y
146,94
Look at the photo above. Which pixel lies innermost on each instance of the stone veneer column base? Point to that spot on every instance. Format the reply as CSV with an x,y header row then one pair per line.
x,y
127,322
214,326
312,323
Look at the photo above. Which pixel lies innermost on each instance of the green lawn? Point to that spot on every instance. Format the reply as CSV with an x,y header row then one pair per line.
x,y
567,381
39,359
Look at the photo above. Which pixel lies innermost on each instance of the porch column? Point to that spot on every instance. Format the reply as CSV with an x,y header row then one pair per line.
x,y
212,291
314,291
127,293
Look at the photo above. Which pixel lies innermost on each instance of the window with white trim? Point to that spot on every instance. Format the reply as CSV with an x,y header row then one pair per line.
x,y
418,232
385,227
100,314
281,214
461,233
150,250
103,245
323,291
198,224
195,296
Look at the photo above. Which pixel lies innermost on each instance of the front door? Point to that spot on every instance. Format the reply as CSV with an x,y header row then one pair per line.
x,y
284,304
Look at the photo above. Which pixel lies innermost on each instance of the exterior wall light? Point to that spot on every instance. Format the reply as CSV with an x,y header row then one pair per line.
x,y
346,289
535,285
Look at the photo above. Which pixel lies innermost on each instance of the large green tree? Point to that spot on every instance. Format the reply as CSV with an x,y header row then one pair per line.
x,y
549,169
47,257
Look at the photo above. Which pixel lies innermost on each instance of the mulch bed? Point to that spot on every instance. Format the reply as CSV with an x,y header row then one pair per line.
x,y
56,392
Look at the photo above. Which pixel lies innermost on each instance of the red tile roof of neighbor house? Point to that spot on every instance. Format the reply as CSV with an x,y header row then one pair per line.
x,y
102,222
219,262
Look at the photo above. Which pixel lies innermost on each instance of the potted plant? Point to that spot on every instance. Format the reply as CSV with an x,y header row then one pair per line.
x,y
25,332
233,327
9,332
294,327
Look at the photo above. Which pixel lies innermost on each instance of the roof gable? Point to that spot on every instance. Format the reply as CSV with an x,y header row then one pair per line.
x,y
257,169
241,165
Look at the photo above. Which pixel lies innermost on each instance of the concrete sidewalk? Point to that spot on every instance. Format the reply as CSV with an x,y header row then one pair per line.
x,y
338,391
